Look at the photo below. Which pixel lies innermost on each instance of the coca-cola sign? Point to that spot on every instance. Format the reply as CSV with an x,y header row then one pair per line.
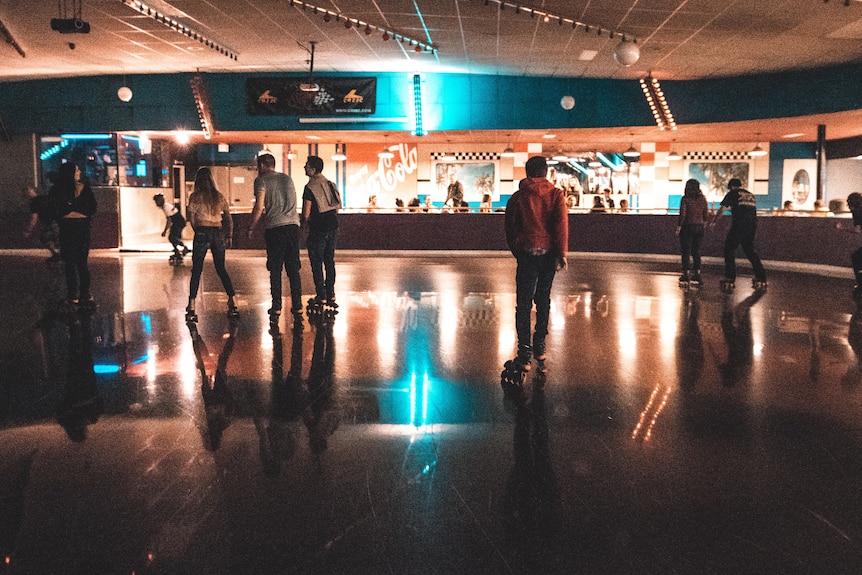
x,y
386,178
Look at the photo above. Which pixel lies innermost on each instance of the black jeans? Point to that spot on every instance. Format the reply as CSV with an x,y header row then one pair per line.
x,y
75,251
282,252
321,254
690,237
856,259
742,236
209,239
533,280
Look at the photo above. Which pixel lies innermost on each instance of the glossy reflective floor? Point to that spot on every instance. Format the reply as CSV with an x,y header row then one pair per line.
x,y
677,432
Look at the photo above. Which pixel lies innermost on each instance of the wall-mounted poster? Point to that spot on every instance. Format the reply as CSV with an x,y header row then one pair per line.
x,y
713,177
798,184
477,178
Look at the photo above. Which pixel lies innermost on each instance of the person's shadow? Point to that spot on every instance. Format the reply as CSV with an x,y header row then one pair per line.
x,y
277,429
531,495
81,404
736,327
853,377
217,397
323,416
689,343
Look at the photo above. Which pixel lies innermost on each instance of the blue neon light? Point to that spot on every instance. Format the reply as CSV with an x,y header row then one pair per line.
x,y
148,323
579,168
604,159
86,136
418,125
102,368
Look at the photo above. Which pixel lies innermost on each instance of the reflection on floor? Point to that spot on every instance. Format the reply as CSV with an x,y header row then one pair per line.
x,y
677,431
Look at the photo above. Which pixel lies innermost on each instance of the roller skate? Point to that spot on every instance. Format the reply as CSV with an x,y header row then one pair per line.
x,y
758,285
232,310
541,365
685,280
176,259
85,304
727,285
191,315
696,280
274,315
514,375
318,308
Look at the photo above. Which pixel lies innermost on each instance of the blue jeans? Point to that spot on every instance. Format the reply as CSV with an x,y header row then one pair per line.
x,y
321,254
209,239
533,280
282,252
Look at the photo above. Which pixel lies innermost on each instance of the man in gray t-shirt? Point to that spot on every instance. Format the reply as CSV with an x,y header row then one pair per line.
x,y
275,196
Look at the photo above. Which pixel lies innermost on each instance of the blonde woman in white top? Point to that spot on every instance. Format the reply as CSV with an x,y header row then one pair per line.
x,y
209,214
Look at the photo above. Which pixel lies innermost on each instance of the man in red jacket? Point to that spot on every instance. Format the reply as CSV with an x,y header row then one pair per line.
x,y
537,233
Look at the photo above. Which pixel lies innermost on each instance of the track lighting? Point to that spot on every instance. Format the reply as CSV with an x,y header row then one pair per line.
x,y
171,23
203,106
657,103
367,27
629,53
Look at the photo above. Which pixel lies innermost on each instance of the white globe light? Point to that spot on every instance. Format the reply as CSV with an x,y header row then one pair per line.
x,y
567,102
627,53
124,93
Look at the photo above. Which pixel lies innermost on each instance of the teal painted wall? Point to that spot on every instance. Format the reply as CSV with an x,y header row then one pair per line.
x,y
452,102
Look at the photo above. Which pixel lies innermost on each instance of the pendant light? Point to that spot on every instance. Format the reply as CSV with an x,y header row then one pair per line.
x,y
385,153
339,155
632,152
757,151
509,152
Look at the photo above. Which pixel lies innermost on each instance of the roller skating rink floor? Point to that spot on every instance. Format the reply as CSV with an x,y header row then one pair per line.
x,y
677,431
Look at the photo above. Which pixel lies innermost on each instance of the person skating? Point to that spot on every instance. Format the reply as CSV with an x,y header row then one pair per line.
x,y
209,214
320,204
275,195
175,223
854,204
537,234
743,231
693,216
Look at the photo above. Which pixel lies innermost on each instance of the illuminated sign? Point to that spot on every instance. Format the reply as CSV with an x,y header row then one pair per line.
x,y
330,96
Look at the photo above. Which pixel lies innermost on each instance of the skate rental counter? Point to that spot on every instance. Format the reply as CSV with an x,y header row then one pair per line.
x,y
807,240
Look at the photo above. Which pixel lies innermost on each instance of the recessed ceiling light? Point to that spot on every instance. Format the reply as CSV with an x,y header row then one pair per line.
x,y
794,135
313,137
587,55
549,136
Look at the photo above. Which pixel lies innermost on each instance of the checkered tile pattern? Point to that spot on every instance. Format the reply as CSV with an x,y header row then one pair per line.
x,y
467,156
716,156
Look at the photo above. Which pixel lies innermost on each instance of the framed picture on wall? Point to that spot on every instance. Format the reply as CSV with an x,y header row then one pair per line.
x,y
713,176
477,178
798,184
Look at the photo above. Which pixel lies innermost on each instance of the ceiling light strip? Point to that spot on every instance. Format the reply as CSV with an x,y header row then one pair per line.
x,y
549,18
173,24
368,28
657,103
202,105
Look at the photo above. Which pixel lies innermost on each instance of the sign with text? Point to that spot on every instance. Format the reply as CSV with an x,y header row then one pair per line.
x,y
311,97
387,179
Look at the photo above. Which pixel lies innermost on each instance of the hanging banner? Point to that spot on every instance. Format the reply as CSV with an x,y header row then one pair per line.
x,y
317,97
